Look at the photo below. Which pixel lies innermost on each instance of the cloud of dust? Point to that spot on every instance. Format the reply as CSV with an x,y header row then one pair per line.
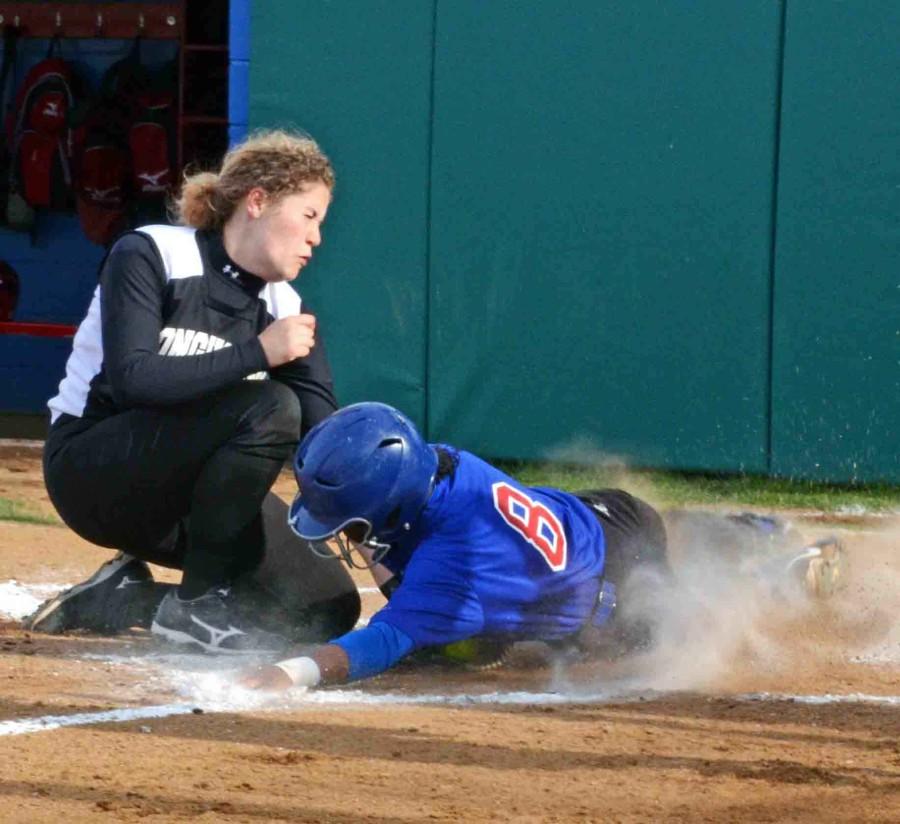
x,y
602,469
733,610
719,612
869,610
724,611
584,452
709,621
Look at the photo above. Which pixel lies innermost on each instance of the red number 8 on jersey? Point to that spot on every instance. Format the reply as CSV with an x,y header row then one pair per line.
x,y
534,522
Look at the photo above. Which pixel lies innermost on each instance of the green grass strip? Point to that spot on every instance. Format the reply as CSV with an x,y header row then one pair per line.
x,y
15,511
664,489
668,489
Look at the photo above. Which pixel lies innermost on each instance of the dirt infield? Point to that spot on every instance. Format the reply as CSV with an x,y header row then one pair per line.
x,y
756,714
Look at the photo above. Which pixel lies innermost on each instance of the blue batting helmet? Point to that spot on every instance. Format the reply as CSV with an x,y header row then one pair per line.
x,y
365,464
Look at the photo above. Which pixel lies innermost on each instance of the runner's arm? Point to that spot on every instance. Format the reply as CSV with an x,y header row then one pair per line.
x,y
359,654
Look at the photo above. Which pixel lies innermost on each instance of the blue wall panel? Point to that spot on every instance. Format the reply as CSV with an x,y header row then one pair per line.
x,y
30,371
57,265
239,49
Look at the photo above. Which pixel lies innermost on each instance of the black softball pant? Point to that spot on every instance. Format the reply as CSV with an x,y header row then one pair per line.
x,y
187,487
636,564
634,531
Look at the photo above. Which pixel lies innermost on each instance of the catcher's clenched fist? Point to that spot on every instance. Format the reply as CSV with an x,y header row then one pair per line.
x,y
288,339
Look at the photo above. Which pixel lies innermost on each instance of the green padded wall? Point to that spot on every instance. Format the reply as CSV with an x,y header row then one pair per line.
x,y
836,365
356,75
602,184
554,223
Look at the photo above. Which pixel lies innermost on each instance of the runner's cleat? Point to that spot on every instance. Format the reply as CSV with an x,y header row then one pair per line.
x,y
100,604
822,567
209,622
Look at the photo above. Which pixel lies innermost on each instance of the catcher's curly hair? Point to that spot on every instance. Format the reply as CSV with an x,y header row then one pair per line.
x,y
278,162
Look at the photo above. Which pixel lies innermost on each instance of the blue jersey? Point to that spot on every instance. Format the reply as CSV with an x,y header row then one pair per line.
x,y
489,556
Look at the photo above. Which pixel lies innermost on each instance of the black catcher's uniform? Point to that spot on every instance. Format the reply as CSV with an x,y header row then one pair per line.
x,y
169,429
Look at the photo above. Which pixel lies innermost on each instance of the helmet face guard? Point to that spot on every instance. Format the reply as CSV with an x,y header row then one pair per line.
x,y
348,548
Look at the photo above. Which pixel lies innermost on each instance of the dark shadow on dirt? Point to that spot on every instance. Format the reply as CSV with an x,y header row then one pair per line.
x,y
142,804
415,745
689,712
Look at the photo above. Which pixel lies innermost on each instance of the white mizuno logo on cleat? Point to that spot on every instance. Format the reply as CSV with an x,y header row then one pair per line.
x,y
601,508
151,182
217,636
126,581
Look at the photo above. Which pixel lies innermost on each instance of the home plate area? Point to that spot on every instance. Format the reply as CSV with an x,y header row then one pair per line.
x,y
754,709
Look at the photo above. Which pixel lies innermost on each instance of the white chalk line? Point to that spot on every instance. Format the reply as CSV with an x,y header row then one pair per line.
x,y
357,698
54,722
23,442
18,600
828,698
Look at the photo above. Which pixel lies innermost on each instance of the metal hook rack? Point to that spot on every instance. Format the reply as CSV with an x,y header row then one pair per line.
x,y
157,21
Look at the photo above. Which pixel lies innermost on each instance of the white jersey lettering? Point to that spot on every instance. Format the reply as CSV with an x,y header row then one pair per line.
x,y
200,343
165,340
178,342
182,342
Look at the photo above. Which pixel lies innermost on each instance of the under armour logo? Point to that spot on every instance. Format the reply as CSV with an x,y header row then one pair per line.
x,y
226,269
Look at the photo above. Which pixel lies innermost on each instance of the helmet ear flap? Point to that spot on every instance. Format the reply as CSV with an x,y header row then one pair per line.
x,y
392,521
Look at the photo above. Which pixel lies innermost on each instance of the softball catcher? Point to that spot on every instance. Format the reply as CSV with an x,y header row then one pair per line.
x,y
192,378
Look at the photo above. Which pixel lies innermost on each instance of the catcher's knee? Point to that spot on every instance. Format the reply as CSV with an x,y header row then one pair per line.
x,y
328,619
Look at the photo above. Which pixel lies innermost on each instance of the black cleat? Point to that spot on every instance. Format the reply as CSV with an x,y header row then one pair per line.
x,y
209,622
100,604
